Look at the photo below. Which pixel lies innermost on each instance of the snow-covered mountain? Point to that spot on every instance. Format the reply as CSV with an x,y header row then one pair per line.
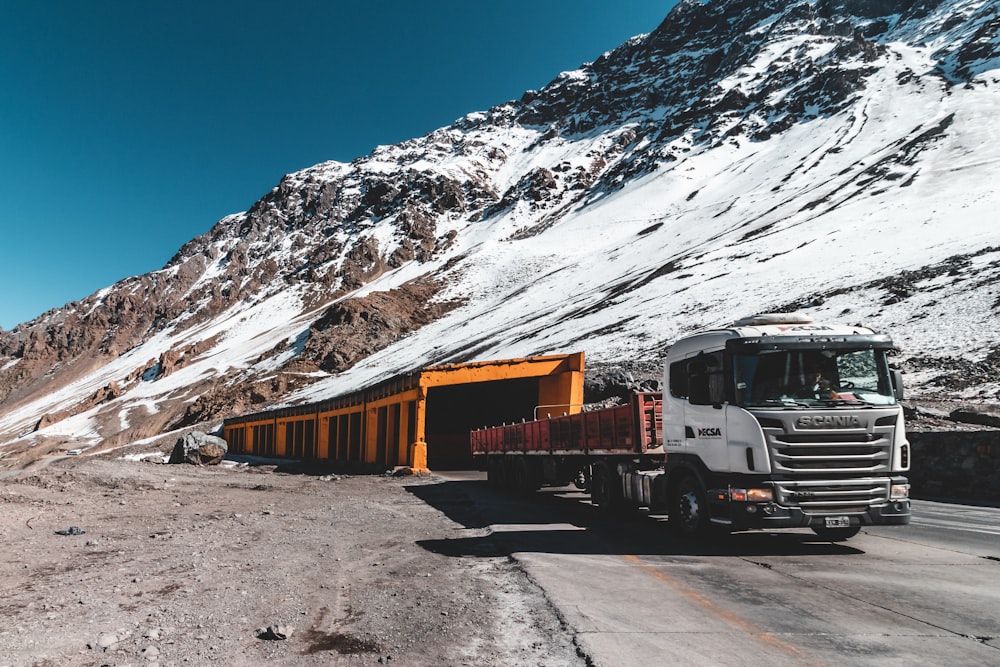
x,y
840,157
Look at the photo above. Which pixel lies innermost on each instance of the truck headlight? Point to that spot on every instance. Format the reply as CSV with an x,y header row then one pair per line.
x,y
899,491
751,495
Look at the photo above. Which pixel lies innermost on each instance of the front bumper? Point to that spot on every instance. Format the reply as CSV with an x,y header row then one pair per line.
x,y
772,514
745,516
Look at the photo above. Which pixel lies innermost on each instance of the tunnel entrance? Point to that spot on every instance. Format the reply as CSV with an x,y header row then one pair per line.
x,y
454,410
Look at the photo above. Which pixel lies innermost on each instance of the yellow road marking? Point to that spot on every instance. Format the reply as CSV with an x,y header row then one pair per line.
x,y
726,615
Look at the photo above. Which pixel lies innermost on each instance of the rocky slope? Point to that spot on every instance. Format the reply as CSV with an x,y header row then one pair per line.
x,y
692,175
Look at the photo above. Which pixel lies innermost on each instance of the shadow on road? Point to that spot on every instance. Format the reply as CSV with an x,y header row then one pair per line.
x,y
563,521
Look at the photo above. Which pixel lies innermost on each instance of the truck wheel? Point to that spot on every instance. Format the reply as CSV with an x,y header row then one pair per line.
x,y
491,472
506,469
605,489
836,534
524,477
689,506
499,472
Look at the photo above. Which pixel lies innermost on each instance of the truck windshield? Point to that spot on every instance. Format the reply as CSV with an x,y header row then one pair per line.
x,y
808,377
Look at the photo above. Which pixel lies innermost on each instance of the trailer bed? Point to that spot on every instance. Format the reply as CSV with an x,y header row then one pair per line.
x,y
630,429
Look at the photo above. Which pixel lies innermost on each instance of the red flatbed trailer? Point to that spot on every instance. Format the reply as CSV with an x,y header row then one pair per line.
x,y
576,448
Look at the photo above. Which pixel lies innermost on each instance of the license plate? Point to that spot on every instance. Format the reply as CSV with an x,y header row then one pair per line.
x,y
837,522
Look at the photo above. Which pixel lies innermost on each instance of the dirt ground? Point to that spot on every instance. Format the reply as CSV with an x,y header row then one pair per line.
x,y
185,565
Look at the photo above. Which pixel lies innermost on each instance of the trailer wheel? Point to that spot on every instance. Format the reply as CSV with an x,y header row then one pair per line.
x,y
497,472
525,479
491,471
508,475
605,489
689,506
836,534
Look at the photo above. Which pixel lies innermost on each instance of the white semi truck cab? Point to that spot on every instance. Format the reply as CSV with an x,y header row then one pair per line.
x,y
779,422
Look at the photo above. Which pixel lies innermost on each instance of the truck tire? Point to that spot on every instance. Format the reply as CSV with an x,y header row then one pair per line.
x,y
525,480
498,469
606,489
492,477
506,469
836,534
689,506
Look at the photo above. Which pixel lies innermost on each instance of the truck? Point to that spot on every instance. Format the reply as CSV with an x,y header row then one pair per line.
x,y
775,421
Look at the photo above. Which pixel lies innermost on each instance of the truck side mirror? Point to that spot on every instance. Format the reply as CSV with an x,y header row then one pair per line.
x,y
897,383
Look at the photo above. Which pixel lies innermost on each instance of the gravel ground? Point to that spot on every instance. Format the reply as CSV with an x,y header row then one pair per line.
x,y
186,565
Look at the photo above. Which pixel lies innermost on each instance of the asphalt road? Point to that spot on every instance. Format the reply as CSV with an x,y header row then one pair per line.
x,y
632,593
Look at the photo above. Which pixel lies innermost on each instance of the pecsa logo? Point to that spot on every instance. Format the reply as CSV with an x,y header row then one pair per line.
x,y
828,421
714,432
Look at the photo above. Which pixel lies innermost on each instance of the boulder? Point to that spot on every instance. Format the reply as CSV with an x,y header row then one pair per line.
x,y
200,449
981,415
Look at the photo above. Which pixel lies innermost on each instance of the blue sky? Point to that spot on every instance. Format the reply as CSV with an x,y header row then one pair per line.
x,y
128,128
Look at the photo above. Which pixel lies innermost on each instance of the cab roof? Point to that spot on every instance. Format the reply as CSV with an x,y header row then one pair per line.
x,y
791,324
767,325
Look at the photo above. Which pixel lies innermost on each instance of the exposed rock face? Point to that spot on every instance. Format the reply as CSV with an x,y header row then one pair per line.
x,y
346,333
712,74
352,329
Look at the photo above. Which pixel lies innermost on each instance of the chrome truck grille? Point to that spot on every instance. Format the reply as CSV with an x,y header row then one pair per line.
x,y
798,451
830,466
831,453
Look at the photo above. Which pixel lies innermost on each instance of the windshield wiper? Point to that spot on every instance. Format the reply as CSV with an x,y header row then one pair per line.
x,y
782,402
846,401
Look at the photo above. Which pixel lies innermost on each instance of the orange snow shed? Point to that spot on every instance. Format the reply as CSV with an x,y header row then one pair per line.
x,y
420,419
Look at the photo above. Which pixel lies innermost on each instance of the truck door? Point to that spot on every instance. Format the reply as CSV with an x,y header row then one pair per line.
x,y
704,412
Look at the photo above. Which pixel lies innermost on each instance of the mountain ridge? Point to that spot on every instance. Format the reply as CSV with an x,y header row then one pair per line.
x,y
694,173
